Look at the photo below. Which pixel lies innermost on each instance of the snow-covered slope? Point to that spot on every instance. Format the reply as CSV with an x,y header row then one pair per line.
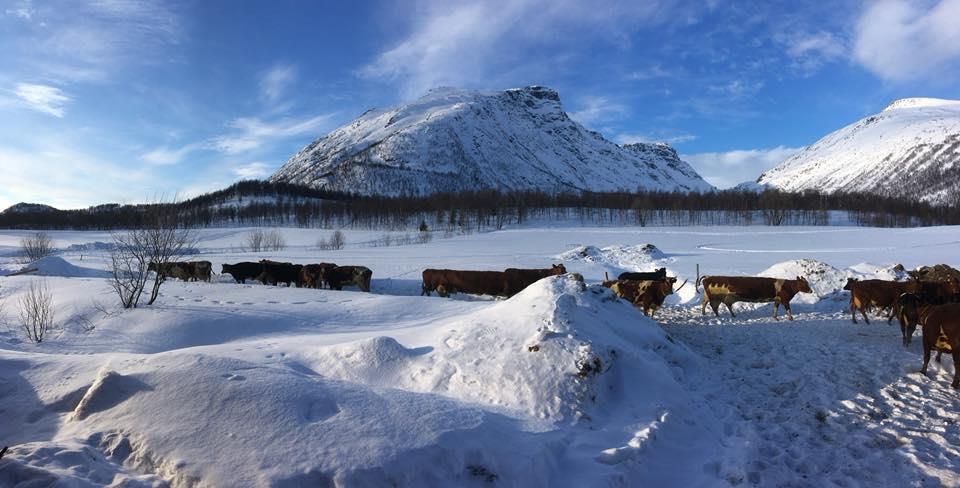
x,y
451,140
910,150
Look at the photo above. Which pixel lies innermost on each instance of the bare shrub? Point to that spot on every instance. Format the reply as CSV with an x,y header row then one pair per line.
x,y
36,246
261,240
254,242
336,242
129,261
36,311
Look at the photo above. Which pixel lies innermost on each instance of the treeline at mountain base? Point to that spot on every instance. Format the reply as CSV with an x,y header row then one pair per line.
x,y
258,203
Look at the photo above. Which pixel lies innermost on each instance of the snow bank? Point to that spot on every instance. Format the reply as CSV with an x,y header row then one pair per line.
x,y
826,281
57,266
491,395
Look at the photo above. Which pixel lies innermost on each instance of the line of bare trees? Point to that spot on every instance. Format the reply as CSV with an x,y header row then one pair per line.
x,y
258,203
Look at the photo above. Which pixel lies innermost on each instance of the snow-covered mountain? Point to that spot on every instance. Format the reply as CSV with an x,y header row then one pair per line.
x,y
909,150
451,140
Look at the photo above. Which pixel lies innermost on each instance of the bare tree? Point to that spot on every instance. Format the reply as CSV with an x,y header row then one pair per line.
x,y
338,240
166,241
36,311
36,246
159,241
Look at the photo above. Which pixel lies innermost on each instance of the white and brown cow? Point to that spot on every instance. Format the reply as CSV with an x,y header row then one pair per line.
x,y
732,289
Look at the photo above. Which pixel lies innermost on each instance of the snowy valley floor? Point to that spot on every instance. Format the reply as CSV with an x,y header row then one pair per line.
x,y
221,384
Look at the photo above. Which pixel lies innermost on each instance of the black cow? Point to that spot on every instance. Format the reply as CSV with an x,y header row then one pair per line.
x,y
242,272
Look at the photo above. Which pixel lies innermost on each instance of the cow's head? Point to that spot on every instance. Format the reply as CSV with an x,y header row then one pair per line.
x,y
152,266
850,282
225,268
557,269
802,285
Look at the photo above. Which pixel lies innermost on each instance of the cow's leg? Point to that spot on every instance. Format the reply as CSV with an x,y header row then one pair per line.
x,y
424,290
926,354
863,311
729,305
703,303
853,310
956,368
776,307
789,312
715,305
939,356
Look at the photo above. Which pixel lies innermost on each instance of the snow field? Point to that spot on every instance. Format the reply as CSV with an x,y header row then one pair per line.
x,y
562,385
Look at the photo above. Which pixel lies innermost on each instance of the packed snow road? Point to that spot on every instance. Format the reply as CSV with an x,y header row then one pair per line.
x,y
820,401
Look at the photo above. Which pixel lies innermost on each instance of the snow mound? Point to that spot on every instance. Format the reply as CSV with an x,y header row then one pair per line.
x,y
108,390
540,354
823,278
871,271
57,266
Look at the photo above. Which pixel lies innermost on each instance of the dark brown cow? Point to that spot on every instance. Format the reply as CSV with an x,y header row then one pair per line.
x,y
275,272
658,275
732,289
909,308
312,274
518,279
338,276
939,292
447,281
183,270
882,294
941,331
242,272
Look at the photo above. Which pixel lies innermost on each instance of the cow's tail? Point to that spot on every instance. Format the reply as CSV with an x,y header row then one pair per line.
x,y
697,285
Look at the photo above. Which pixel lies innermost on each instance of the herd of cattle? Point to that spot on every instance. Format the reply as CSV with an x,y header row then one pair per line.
x,y
932,304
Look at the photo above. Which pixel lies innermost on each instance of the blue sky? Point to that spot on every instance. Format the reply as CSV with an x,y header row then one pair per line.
x,y
130,100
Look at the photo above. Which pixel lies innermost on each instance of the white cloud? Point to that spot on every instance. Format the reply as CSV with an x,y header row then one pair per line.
x,y
598,109
486,43
810,51
730,168
675,138
42,98
252,132
276,80
252,170
162,156
91,41
900,40
650,72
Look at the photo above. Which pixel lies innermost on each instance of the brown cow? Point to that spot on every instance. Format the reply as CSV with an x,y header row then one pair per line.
x,y
941,331
939,292
731,289
647,295
882,294
909,308
447,281
518,279
183,270
312,274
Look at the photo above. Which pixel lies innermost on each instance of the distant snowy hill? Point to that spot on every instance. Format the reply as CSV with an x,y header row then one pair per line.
x,y
24,207
449,140
909,150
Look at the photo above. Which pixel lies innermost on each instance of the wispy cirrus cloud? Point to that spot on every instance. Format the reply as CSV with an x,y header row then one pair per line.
x,y
276,80
485,43
252,132
42,98
594,109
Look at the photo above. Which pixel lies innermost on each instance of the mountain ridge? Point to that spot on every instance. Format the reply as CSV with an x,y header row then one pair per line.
x,y
454,140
